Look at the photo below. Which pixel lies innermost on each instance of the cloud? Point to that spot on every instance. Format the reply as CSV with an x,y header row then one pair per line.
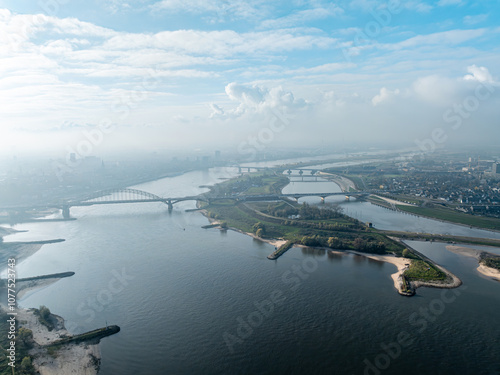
x,y
373,5
303,17
384,95
417,6
436,90
443,3
474,20
256,100
451,37
478,74
219,43
216,10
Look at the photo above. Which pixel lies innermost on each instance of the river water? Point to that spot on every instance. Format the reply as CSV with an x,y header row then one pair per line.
x,y
197,301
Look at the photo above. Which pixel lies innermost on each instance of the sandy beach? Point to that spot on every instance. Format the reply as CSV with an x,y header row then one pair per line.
x,y
72,359
475,253
25,287
400,263
465,251
488,271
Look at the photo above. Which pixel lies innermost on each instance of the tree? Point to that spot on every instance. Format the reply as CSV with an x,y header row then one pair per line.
x,y
335,243
25,336
27,366
359,244
258,226
223,225
406,253
44,312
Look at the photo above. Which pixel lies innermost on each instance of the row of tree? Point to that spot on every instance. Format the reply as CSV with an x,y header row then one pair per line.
x,y
359,243
306,212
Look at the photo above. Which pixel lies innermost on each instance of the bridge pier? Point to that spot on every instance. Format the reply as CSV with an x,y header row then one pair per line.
x,y
170,205
65,212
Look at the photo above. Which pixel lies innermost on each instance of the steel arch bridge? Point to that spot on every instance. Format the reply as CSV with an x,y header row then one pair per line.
x,y
117,196
120,196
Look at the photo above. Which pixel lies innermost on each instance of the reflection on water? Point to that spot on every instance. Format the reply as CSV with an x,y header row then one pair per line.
x,y
334,256
310,251
375,262
188,286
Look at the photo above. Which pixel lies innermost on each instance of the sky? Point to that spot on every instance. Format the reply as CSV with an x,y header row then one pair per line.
x,y
100,75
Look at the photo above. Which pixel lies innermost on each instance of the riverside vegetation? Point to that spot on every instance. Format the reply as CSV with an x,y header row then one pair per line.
x,y
304,224
24,343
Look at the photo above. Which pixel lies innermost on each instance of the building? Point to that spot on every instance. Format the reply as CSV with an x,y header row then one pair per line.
x,y
495,168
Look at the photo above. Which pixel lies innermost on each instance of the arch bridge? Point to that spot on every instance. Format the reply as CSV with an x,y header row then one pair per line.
x,y
119,196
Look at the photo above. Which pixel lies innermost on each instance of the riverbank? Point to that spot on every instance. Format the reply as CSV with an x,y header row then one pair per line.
x,y
402,264
27,285
22,250
476,254
54,350
451,217
450,282
65,359
71,359
345,184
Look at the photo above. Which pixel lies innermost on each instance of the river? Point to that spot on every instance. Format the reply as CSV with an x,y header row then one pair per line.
x,y
197,301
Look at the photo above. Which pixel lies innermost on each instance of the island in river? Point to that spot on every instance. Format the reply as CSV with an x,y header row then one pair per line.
x,y
285,223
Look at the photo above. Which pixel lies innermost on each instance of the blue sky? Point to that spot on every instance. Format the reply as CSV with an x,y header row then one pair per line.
x,y
173,73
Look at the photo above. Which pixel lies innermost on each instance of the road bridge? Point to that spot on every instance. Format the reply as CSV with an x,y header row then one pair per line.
x,y
120,196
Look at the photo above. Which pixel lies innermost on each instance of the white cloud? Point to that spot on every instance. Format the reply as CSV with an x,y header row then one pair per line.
x,y
451,37
374,5
436,90
323,69
474,20
216,10
443,3
218,43
256,100
478,74
417,6
384,96
303,16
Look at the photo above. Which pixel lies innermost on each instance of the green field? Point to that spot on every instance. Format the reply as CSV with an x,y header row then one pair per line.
x,y
447,214
347,233
314,227
422,270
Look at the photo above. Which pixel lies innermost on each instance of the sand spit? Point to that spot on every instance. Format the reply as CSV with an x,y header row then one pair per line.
x,y
475,253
